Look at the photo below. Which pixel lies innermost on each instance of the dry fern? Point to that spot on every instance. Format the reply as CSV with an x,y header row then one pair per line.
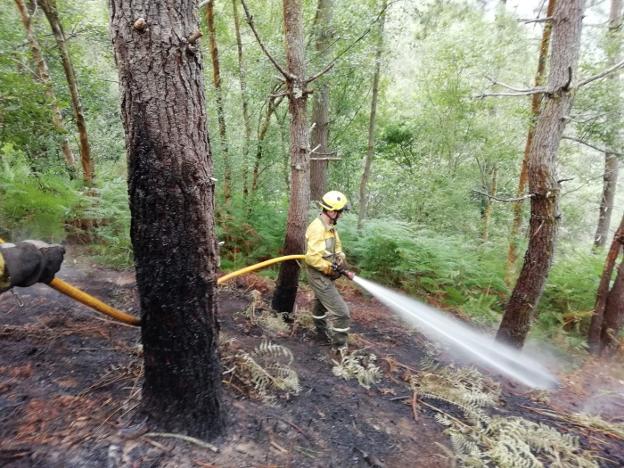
x,y
266,372
494,441
359,366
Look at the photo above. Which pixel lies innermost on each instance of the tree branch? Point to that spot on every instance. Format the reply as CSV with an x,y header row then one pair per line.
x,y
536,20
602,74
523,92
505,200
350,46
286,74
602,150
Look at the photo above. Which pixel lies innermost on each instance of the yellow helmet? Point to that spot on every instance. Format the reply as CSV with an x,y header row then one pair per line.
x,y
334,201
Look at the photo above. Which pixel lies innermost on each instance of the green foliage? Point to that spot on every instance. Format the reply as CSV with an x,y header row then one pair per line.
x,y
34,204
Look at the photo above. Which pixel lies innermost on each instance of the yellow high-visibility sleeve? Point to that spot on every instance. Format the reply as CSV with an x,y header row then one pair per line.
x,y
4,275
315,251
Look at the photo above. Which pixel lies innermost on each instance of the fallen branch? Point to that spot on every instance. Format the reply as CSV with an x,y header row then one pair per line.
x,y
190,439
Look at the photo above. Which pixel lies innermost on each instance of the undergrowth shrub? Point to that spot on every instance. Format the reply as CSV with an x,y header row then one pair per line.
x,y
33,204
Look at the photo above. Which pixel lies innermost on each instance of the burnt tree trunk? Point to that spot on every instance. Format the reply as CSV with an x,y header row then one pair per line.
x,y
43,76
614,314
51,13
536,101
294,242
595,336
320,103
370,150
541,166
171,192
611,161
244,98
216,81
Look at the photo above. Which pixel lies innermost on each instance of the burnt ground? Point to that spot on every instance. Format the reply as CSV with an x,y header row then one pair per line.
x,y
70,384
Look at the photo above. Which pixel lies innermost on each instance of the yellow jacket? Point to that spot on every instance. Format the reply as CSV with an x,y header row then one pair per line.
x,y
323,246
4,275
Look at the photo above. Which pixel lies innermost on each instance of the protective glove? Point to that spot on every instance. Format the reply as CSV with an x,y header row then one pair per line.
x,y
29,262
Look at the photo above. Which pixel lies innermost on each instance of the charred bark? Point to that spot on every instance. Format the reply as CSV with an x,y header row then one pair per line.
x,y
541,166
51,13
43,76
294,242
171,192
370,151
536,101
320,104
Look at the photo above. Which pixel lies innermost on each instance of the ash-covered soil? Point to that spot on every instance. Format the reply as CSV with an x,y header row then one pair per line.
x,y
70,383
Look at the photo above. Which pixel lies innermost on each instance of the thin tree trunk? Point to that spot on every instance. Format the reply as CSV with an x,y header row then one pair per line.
x,y
536,101
51,13
216,81
294,243
611,161
320,104
370,151
43,76
614,314
541,166
171,192
273,102
244,98
487,207
594,338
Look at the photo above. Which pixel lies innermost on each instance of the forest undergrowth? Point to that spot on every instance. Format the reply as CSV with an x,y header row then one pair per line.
x,y
445,269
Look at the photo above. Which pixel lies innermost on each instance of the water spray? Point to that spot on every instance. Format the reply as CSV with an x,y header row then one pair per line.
x,y
463,340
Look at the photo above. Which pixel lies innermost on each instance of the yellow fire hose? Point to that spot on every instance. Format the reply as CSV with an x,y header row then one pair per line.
x,y
90,301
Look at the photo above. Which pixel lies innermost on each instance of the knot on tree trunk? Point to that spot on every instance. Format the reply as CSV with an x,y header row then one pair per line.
x,y
140,25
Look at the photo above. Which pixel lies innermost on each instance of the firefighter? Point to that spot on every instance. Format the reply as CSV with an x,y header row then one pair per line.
x,y
325,262
28,262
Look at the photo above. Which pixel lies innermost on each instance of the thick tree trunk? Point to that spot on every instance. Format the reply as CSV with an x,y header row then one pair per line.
x,y
320,104
43,75
244,98
596,326
370,151
611,161
216,81
51,13
541,165
536,101
614,314
294,243
171,193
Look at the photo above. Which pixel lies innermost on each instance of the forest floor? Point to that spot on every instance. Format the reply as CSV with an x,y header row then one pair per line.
x,y
70,384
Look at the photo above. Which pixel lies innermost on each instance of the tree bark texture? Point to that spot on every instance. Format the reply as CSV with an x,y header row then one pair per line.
x,y
611,161
294,242
536,101
541,166
370,150
171,193
320,104
43,76
51,13
242,78
216,81
597,325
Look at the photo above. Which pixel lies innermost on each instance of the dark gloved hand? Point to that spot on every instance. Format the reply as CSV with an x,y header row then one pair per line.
x,y
337,271
29,262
